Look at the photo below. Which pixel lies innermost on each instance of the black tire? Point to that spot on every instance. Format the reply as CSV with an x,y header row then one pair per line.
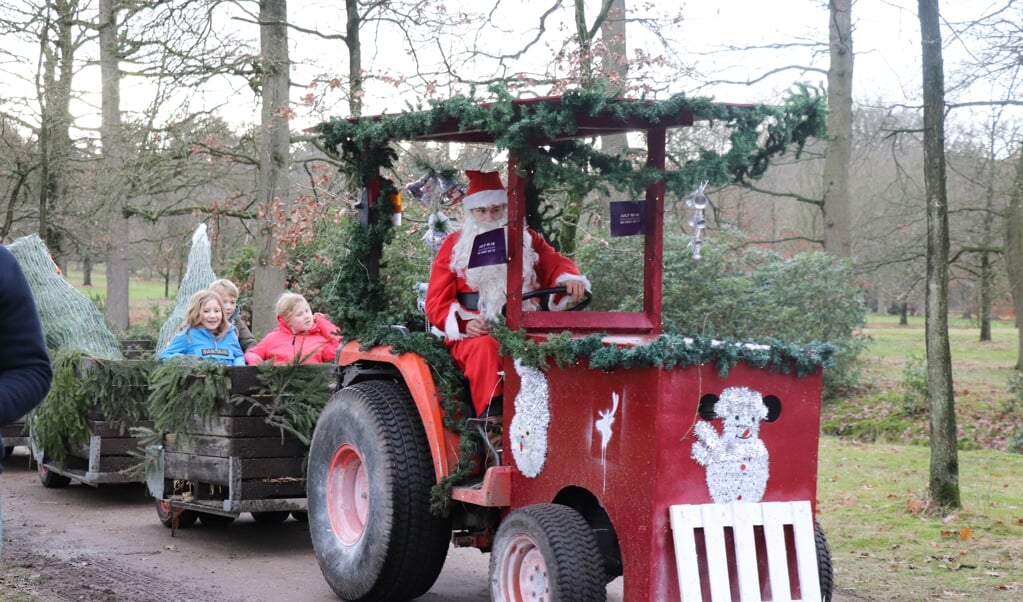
x,y
214,520
549,552
300,515
271,517
368,495
186,518
50,479
825,570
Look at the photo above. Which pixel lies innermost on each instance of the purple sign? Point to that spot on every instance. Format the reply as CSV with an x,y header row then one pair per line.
x,y
628,218
488,249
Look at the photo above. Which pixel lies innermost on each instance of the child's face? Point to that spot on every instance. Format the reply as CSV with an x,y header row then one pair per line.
x,y
211,314
229,304
302,319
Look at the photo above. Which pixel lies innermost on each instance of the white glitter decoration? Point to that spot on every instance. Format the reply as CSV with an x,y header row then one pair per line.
x,y
736,460
528,430
603,426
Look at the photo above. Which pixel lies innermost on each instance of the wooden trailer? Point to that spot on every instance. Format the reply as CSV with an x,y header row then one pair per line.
x,y
110,452
234,461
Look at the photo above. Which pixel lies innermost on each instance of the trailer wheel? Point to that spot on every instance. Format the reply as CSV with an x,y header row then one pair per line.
x,y
186,518
368,496
271,517
214,520
824,568
50,479
546,552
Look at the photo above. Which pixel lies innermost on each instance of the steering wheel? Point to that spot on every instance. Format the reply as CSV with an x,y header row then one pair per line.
x,y
546,294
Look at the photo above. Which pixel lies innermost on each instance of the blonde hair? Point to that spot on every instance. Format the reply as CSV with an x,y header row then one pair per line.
x,y
225,288
193,315
288,303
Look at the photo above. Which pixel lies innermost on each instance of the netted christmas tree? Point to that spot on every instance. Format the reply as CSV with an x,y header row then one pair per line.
x,y
71,321
198,275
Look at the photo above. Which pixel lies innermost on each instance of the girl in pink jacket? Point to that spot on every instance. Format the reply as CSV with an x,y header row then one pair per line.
x,y
301,336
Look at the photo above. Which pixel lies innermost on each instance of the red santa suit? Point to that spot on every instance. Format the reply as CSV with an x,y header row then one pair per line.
x,y
477,356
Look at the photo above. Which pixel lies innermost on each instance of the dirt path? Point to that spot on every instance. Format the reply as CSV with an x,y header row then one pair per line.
x,y
106,544
85,543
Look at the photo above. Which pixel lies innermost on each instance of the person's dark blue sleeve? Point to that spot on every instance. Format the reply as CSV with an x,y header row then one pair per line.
x,y
25,372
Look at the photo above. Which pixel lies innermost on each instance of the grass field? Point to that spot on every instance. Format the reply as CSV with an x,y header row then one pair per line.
x,y
872,484
146,297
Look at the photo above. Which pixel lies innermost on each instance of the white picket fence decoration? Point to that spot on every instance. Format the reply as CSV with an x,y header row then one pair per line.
x,y
742,518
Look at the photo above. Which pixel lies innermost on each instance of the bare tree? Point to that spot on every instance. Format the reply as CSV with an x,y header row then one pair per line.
x,y
274,157
112,139
835,205
944,474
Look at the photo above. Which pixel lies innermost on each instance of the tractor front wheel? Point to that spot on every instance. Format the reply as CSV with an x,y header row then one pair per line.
x,y
546,552
368,495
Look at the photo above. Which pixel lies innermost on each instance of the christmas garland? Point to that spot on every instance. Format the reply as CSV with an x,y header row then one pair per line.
x,y
666,352
185,388
117,388
757,133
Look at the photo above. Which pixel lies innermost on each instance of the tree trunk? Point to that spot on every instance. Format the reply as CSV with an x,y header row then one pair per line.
x,y
354,45
837,214
944,477
55,99
86,271
986,278
274,158
1014,253
112,140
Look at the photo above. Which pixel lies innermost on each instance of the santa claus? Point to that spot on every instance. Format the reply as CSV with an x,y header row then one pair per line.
x,y
461,301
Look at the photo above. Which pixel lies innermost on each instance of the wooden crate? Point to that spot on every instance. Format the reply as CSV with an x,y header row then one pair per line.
x,y
236,449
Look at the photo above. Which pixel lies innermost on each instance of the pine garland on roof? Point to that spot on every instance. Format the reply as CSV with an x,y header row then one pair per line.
x,y
758,132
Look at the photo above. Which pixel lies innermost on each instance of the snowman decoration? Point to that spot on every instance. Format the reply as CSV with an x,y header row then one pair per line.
x,y
529,426
736,460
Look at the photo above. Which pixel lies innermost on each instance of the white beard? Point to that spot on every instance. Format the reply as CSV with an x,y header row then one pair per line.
x,y
490,280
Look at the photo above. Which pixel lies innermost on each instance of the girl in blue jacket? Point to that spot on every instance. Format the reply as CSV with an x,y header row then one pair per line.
x,y
206,334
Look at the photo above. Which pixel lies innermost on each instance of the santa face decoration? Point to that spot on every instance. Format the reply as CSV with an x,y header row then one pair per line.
x,y
736,460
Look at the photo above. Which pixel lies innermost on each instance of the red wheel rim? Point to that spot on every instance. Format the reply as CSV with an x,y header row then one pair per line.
x,y
165,507
347,494
522,572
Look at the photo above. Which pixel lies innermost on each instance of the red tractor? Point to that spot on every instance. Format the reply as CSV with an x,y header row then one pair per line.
x,y
690,478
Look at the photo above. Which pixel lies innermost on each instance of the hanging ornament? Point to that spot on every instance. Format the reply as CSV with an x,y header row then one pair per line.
x,y
420,189
698,201
438,229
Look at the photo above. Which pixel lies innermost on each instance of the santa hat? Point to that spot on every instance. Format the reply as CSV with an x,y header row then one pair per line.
x,y
485,190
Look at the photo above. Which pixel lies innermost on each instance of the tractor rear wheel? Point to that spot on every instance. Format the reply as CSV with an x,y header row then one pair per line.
x,y
368,493
825,570
546,552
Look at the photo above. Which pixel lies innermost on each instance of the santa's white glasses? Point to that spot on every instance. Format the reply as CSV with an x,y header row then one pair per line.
x,y
495,211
